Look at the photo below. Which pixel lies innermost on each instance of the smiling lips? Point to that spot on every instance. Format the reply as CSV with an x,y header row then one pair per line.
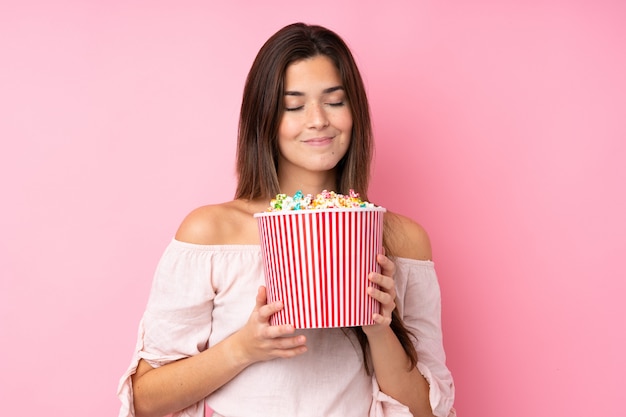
x,y
319,141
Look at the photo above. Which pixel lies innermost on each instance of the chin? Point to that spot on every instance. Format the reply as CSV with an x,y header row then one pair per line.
x,y
323,168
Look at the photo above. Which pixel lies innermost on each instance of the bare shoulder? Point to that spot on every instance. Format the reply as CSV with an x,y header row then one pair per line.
x,y
406,238
219,224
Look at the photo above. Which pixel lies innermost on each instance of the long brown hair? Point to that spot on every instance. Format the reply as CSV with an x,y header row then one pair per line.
x,y
262,108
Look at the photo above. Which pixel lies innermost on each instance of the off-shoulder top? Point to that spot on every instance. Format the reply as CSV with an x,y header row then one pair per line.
x,y
201,294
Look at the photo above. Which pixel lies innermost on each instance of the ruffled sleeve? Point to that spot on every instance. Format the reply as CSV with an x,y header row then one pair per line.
x,y
177,317
419,303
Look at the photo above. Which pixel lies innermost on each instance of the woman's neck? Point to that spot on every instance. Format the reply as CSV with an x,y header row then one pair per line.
x,y
312,183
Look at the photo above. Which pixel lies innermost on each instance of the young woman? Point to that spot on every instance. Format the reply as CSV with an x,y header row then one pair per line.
x,y
205,344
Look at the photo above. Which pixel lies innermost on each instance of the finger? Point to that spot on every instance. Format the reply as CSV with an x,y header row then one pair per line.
x,y
263,310
380,319
287,347
261,297
385,298
279,331
289,353
387,266
266,311
383,281
292,342
261,303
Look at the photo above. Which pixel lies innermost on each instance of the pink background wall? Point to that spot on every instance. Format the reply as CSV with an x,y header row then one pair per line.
x,y
500,127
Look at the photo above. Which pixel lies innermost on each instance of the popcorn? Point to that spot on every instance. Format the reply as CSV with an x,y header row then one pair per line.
x,y
324,200
318,251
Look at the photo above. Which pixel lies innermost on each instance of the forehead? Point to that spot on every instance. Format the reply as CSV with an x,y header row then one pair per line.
x,y
312,73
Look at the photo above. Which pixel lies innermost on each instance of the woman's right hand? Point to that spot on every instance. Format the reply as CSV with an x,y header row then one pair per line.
x,y
260,341
172,387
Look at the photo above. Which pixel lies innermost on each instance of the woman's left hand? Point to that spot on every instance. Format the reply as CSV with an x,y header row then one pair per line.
x,y
385,294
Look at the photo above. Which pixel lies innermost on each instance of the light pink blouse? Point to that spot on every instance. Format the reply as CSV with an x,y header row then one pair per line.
x,y
202,294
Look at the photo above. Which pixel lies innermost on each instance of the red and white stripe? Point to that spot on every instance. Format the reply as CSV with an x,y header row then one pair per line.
x,y
317,263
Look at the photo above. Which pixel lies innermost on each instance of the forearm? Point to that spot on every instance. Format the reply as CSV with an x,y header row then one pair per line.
x,y
172,387
395,375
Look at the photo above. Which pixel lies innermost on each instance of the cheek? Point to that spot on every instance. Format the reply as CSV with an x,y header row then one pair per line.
x,y
286,136
346,129
349,127
287,129
344,121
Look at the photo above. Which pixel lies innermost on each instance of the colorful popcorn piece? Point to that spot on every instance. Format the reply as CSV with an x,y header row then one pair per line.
x,y
324,200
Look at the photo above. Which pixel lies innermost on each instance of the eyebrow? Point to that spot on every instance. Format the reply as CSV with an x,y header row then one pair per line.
x,y
325,91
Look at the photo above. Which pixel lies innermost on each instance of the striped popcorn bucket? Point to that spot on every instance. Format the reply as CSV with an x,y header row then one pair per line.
x,y
317,263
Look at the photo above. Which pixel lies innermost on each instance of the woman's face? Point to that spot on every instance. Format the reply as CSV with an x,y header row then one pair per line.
x,y
316,126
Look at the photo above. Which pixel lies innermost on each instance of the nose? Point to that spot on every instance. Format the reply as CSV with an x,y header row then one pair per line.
x,y
317,117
